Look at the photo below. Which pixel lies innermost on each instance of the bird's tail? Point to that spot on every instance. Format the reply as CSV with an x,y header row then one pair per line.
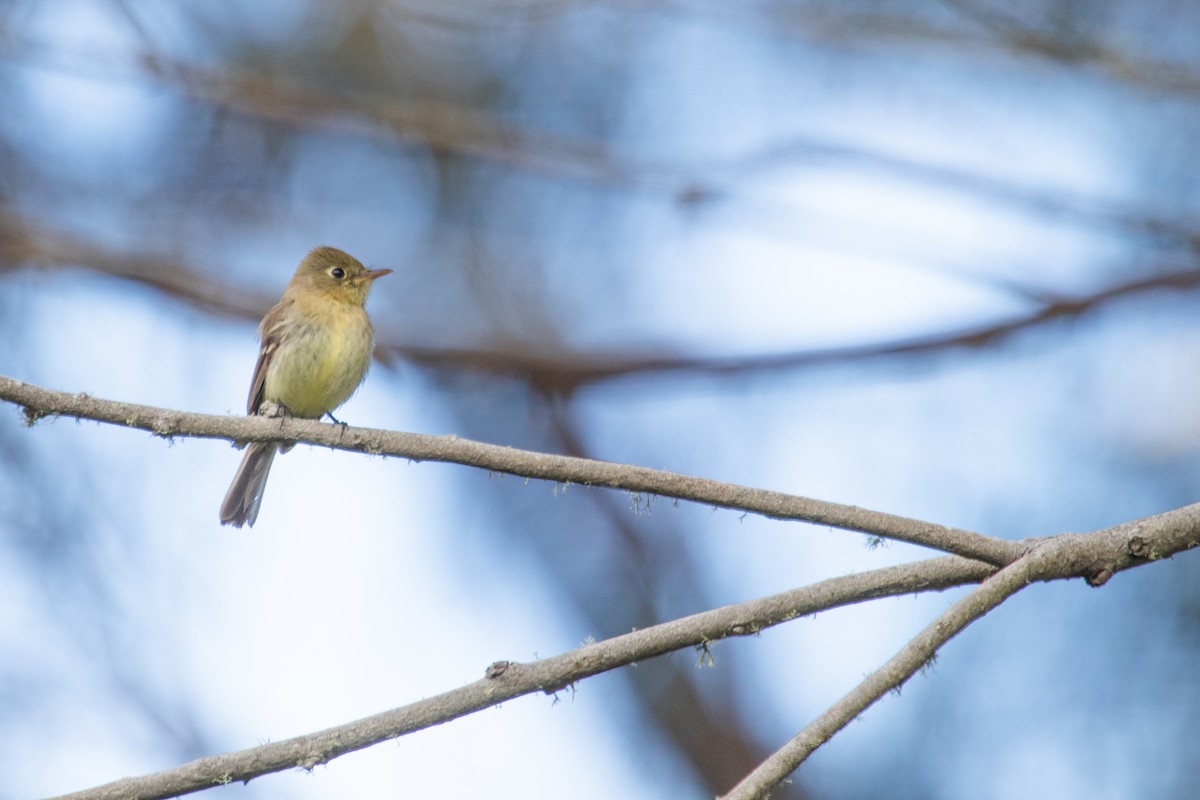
x,y
246,492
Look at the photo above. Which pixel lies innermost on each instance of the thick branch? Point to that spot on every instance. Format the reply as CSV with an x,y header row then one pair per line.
x,y
506,680
39,402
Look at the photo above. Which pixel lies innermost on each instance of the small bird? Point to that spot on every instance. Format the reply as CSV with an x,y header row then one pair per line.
x,y
316,347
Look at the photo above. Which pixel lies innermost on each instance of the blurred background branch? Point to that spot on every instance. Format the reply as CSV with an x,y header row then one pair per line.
x,y
938,257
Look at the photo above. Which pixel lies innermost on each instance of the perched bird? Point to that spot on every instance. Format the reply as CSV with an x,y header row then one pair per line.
x,y
316,347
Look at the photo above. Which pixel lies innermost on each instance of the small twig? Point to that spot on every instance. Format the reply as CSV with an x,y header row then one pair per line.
x,y
891,675
39,402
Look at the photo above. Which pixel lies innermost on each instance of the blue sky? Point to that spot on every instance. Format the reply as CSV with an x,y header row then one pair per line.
x,y
370,583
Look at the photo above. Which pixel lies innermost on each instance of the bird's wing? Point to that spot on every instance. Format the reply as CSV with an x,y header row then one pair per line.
x,y
271,331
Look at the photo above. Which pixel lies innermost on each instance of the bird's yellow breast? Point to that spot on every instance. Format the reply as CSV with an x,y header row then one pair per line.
x,y
322,358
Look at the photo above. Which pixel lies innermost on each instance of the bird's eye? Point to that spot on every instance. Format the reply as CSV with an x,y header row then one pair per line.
x,y
338,273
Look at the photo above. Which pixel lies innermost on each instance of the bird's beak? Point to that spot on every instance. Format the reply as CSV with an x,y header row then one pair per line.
x,y
372,274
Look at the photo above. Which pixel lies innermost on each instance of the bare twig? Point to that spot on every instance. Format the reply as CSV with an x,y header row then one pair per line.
x,y
1078,48
566,372
39,402
505,680
1096,556
306,106
24,241
902,666
991,30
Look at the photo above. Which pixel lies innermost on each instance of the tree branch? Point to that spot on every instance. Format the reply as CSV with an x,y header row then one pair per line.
x,y
39,402
567,372
1096,556
505,680
902,666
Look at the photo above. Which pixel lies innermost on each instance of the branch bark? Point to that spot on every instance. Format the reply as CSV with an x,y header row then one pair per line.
x,y
902,666
505,680
39,403
1096,557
